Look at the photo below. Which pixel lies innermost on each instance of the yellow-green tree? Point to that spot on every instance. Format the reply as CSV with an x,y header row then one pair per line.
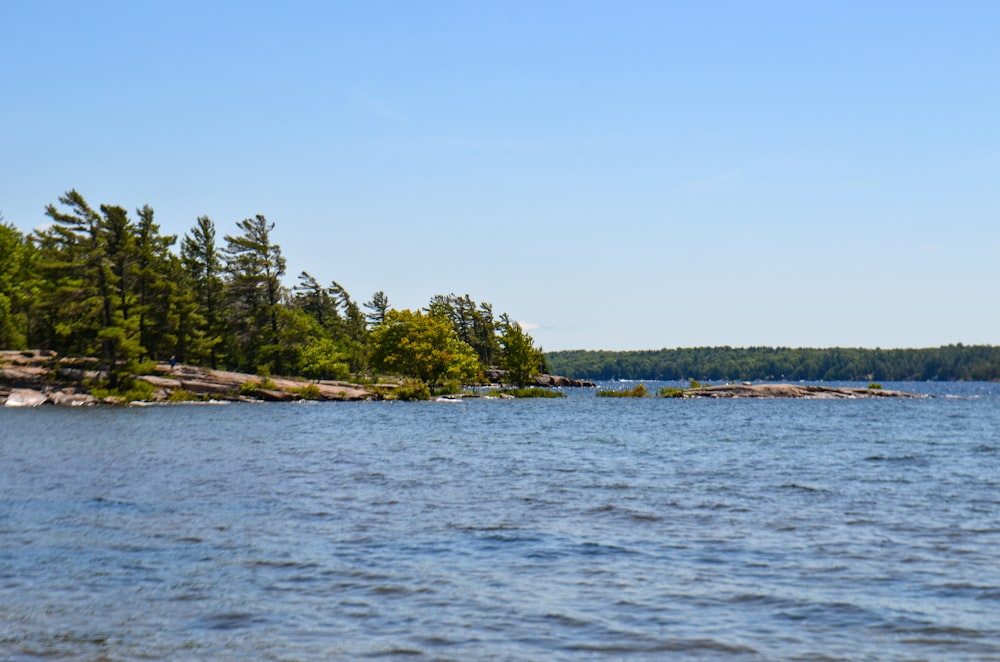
x,y
412,344
519,356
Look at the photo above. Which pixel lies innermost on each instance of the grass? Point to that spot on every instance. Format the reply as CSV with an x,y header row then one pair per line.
x,y
532,392
639,391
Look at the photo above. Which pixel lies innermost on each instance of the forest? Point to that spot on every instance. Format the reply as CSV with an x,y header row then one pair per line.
x,y
949,363
99,282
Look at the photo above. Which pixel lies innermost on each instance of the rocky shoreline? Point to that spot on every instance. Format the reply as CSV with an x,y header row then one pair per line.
x,y
803,391
31,378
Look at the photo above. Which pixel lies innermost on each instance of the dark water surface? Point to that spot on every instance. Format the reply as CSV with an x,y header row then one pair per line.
x,y
525,530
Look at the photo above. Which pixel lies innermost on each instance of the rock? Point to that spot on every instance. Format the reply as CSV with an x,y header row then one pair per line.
x,y
69,399
274,395
806,391
24,397
497,376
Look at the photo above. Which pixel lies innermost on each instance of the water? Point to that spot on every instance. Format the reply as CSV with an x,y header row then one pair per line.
x,y
510,530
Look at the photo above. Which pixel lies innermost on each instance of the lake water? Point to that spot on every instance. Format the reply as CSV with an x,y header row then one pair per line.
x,y
565,529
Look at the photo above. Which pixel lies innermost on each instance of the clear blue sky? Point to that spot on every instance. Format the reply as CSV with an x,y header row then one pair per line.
x,y
616,175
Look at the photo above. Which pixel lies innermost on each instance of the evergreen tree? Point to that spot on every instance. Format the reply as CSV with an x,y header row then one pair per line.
x,y
378,306
17,257
85,299
254,267
203,326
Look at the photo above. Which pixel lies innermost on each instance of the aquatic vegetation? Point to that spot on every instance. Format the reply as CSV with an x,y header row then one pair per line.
x,y
638,391
532,392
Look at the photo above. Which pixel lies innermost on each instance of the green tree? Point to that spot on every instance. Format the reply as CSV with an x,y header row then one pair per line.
x,y
474,324
158,288
201,331
86,297
519,356
317,301
412,344
17,257
254,267
379,306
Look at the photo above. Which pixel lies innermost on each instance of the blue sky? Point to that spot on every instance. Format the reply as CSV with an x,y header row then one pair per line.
x,y
616,175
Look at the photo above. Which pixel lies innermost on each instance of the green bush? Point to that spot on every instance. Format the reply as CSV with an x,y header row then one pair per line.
x,y
532,392
875,386
639,391
180,395
250,389
410,389
308,392
131,390
671,392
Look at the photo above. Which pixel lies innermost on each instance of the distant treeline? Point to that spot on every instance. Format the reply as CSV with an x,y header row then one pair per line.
x,y
949,363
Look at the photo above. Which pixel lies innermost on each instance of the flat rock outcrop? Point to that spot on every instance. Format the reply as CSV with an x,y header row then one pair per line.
x,y
808,391
31,378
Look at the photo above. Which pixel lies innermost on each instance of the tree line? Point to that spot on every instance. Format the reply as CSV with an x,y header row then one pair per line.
x,y
99,282
948,363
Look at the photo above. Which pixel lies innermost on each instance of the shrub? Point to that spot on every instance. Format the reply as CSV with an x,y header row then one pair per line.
x,y
671,392
639,391
875,386
532,392
250,389
308,392
410,389
128,391
180,395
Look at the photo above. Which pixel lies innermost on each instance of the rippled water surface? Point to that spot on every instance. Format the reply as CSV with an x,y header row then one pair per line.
x,y
521,530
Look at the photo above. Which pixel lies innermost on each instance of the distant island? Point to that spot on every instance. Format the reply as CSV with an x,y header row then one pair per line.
x,y
948,363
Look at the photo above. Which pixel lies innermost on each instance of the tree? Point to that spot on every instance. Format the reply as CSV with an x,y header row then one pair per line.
x,y
254,267
378,306
157,288
473,324
17,257
412,344
520,357
85,260
202,331
317,301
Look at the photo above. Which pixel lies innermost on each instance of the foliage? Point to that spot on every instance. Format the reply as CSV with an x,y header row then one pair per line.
x,y
473,324
520,358
425,347
322,358
100,283
180,395
875,386
950,362
253,269
532,392
637,391
250,388
17,263
308,392
410,389
671,392
127,390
